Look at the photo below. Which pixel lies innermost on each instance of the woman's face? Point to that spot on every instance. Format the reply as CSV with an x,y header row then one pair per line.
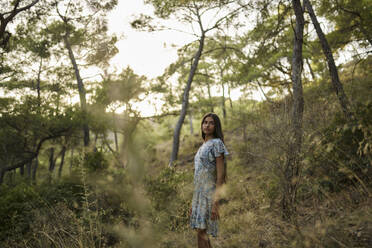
x,y
208,126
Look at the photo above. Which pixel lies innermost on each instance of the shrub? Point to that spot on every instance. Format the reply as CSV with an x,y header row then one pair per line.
x,y
95,161
16,205
342,156
170,207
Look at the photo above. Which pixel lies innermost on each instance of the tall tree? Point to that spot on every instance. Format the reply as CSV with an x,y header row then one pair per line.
x,y
292,166
337,86
194,13
77,31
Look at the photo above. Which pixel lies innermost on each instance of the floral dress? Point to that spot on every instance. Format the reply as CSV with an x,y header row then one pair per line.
x,y
205,176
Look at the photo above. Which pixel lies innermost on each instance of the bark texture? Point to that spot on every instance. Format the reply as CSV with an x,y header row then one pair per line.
x,y
185,101
51,160
38,82
292,165
34,169
223,101
81,89
190,121
29,169
115,133
210,98
337,86
230,100
63,153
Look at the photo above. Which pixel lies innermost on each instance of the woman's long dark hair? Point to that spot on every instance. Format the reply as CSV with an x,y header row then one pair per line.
x,y
216,134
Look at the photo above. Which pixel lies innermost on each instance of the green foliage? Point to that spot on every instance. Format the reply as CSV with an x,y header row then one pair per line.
x,y
170,207
163,188
165,8
77,211
18,205
95,162
342,156
67,191
121,88
351,21
35,39
26,125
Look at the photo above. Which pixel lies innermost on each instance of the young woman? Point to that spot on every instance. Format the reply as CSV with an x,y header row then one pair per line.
x,y
209,176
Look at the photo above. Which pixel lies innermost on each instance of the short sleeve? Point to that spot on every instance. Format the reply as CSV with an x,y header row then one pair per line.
x,y
219,148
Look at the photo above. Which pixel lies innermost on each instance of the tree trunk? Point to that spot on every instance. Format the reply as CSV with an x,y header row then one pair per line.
x,y
34,169
71,157
63,152
81,89
2,173
51,160
128,131
310,69
22,170
292,165
223,101
95,140
115,133
210,97
116,155
185,101
38,81
223,96
29,169
190,121
229,92
344,102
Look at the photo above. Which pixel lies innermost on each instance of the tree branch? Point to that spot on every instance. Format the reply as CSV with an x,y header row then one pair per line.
x,y
15,11
219,21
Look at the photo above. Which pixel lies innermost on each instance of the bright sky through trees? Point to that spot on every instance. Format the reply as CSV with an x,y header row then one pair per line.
x,y
149,53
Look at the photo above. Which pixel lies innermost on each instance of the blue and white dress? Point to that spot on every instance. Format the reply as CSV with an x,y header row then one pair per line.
x,y
205,176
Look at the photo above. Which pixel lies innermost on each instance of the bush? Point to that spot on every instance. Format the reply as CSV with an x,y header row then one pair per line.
x,y
16,205
170,207
95,161
342,155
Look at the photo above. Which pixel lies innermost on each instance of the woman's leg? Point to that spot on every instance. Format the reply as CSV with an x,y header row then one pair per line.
x,y
203,240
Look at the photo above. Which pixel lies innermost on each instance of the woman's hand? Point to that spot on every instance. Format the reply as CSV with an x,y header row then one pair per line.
x,y
215,212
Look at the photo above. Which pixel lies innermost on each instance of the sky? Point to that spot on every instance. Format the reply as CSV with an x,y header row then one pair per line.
x,y
148,53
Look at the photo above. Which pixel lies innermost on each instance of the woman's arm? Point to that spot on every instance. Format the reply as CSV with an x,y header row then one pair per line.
x,y
220,176
219,182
